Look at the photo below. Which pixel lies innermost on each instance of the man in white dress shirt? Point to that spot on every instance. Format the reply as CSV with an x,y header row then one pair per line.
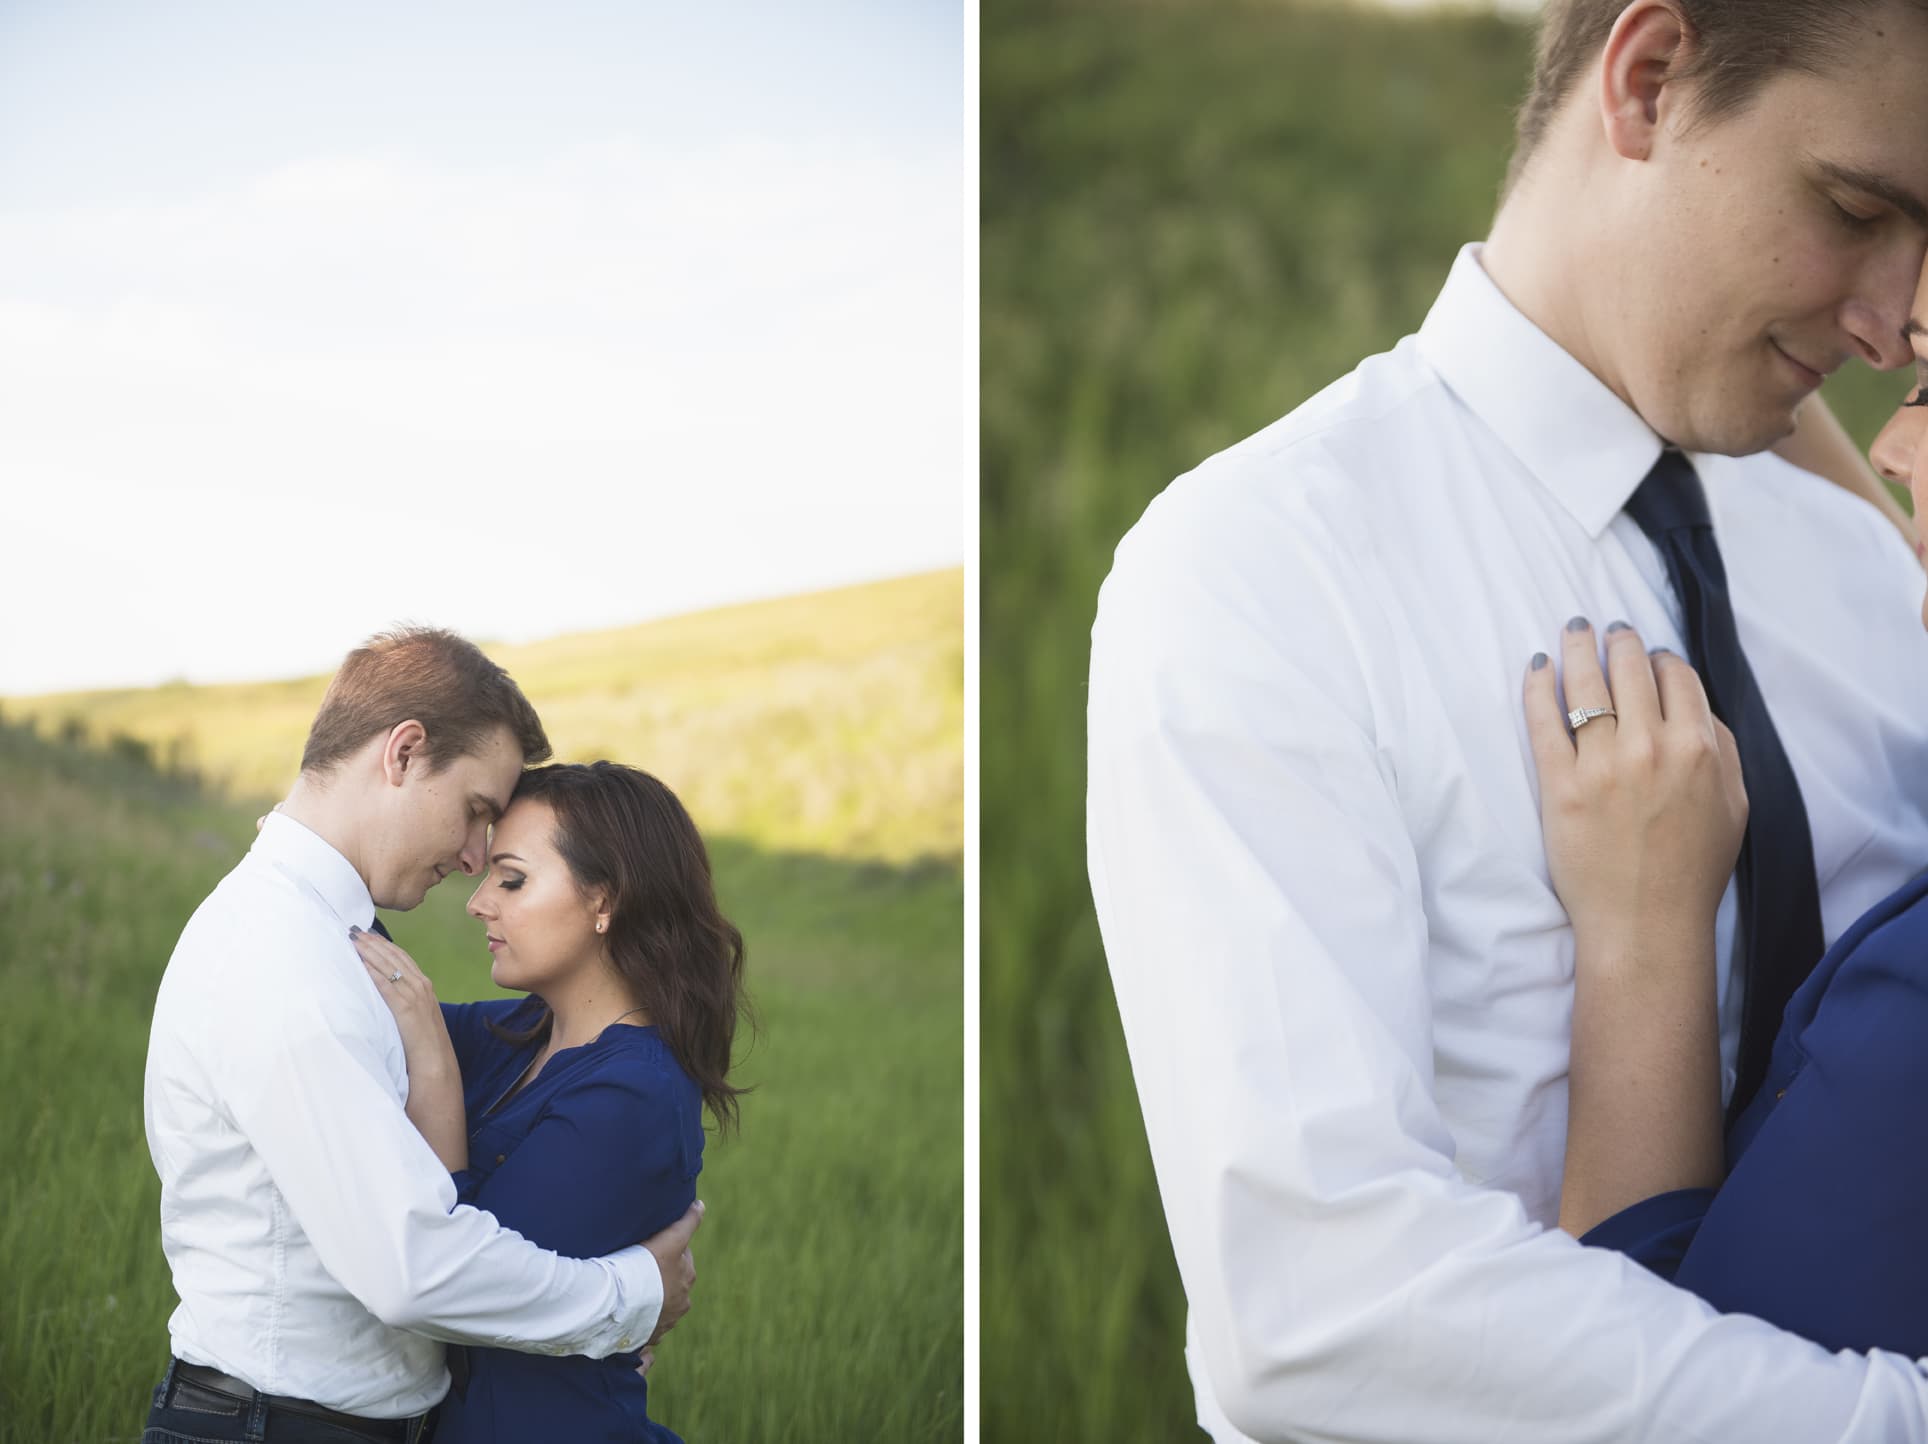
x,y
1313,833
315,1242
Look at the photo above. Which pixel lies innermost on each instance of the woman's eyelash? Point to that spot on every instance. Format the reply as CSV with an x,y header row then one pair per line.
x,y
510,884
1920,398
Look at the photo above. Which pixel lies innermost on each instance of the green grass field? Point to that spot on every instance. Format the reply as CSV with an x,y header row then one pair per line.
x,y
829,1304
1194,217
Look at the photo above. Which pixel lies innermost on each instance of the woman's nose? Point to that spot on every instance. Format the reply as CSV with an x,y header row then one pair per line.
x,y
1893,452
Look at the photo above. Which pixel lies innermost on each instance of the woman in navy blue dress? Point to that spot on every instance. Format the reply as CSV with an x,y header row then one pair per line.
x,y
574,1114
1810,1211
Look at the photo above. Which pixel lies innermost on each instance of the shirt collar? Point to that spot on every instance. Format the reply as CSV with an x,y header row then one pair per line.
x,y
303,855
1579,440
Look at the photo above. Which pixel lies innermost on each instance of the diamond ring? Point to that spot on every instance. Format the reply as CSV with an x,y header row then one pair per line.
x,y
1580,716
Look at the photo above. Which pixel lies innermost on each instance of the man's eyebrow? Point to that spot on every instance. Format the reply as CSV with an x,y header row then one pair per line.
x,y
1896,195
504,857
1913,329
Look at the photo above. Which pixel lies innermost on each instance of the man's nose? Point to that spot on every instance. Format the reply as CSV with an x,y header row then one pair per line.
x,y
1878,338
475,849
1875,316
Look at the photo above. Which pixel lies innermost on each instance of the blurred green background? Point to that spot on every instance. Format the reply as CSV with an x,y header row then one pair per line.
x,y
818,742
1195,215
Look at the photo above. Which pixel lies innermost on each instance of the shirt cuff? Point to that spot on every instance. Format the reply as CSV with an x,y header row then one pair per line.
x,y
639,1296
1656,1231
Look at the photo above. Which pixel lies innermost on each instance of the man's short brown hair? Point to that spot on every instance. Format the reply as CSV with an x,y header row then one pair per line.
x,y
1738,45
429,676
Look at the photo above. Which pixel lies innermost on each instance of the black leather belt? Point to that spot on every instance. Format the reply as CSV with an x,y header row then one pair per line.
x,y
242,1392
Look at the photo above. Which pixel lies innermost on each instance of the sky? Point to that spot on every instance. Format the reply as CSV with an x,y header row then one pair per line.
x,y
518,319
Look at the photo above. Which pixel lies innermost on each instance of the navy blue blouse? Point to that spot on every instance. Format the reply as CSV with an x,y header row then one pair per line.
x,y
599,1152
1819,1224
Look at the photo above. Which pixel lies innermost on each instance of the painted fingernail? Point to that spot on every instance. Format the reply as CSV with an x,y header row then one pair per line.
x,y
353,931
1578,624
1539,660
1660,651
1613,627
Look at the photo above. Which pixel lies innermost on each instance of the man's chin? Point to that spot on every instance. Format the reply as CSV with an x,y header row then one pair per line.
x,y
400,902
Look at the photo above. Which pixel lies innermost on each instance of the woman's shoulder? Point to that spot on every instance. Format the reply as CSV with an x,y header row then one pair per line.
x,y
631,1087
470,1031
639,1061
501,1011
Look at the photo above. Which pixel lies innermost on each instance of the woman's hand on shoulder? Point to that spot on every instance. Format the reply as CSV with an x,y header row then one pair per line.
x,y
1643,810
410,996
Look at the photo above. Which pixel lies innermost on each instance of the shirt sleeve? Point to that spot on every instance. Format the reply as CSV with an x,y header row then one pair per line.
x,y
311,1094
1263,915
611,1160
464,1022
1655,1232
469,1035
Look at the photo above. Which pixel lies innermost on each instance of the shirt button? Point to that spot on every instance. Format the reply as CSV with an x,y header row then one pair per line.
x,y
502,1158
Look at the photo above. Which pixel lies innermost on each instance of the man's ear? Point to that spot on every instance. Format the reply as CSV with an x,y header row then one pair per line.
x,y
406,747
1640,75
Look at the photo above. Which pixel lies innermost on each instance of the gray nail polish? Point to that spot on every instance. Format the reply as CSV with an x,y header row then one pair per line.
x,y
1578,624
1618,627
1539,660
1659,651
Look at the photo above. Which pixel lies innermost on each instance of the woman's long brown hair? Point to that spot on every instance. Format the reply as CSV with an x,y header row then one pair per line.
x,y
625,834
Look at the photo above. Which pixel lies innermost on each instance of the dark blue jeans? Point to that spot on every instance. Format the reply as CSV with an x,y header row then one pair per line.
x,y
184,1412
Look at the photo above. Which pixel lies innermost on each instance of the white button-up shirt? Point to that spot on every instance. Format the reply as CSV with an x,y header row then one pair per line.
x,y
315,1241
1345,982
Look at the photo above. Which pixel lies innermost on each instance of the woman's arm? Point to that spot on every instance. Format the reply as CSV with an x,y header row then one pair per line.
x,y
1643,815
1821,445
435,1104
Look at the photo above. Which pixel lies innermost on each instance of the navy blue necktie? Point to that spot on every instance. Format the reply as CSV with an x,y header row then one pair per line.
x,y
1780,903
458,1354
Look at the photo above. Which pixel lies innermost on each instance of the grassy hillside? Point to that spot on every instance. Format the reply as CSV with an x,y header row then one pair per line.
x,y
831,722
1194,216
830,1299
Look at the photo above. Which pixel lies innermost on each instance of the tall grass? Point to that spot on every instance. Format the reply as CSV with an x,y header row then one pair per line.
x,y
1194,216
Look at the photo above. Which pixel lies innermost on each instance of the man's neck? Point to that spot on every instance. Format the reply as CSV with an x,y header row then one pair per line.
x,y
328,816
1550,277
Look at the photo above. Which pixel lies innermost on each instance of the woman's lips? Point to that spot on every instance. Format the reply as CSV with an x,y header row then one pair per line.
x,y
495,942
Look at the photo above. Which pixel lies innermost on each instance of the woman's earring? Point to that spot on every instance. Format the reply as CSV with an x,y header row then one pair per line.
x,y
600,926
